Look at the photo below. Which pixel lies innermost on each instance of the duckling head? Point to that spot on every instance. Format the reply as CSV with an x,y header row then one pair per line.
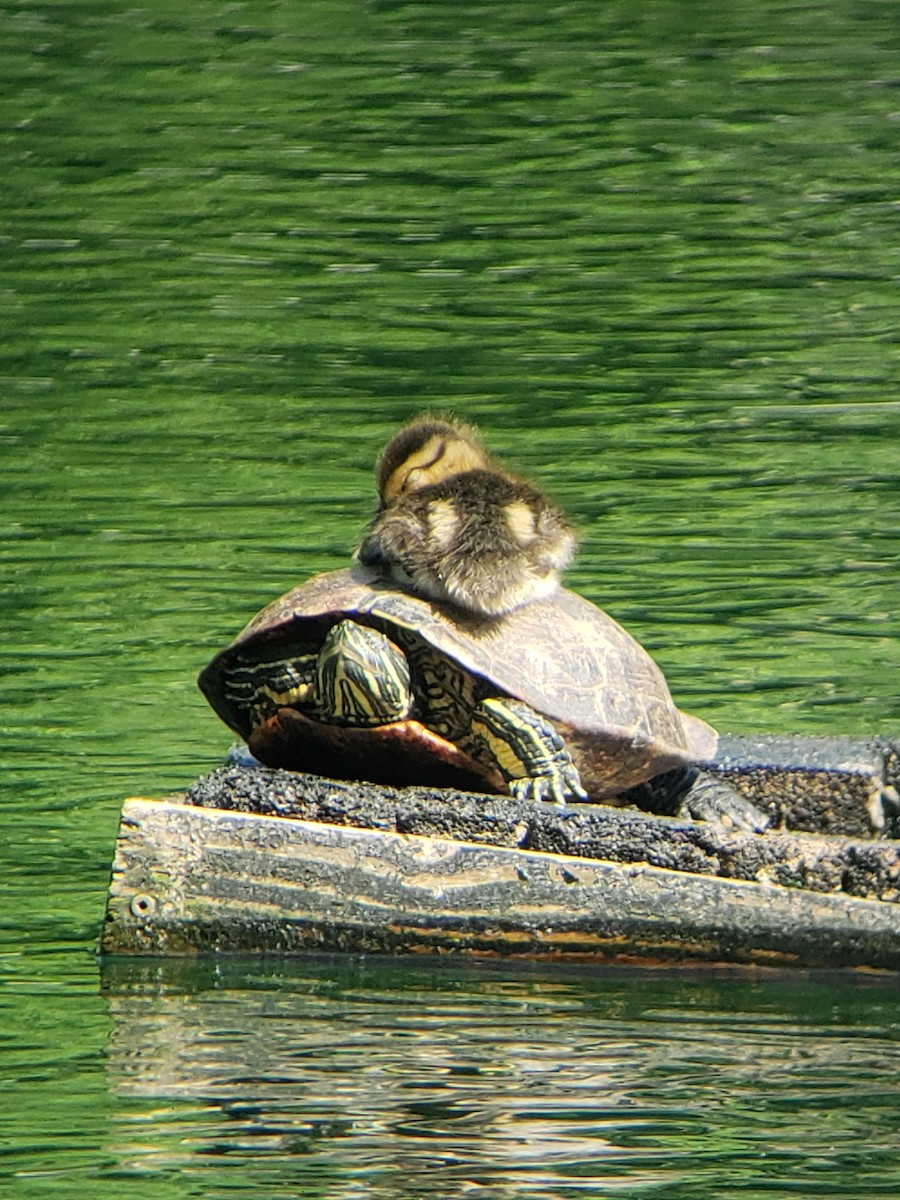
x,y
427,452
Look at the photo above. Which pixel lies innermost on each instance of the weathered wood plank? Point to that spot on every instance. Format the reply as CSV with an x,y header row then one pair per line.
x,y
859,866
188,879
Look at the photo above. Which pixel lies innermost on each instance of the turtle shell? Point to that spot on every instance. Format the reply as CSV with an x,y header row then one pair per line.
x,y
563,656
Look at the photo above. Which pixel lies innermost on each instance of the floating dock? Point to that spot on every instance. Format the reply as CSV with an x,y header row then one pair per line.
x,y
256,859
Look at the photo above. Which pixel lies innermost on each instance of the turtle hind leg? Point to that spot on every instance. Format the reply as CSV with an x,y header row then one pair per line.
x,y
710,798
690,792
527,749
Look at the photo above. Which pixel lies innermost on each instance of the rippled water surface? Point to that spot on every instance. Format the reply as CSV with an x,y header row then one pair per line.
x,y
345,1079
652,249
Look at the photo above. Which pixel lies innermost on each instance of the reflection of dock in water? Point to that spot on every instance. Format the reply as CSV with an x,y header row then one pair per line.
x,y
339,1068
356,1078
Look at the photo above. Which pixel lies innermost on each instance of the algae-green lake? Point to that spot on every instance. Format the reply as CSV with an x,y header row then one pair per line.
x,y
653,250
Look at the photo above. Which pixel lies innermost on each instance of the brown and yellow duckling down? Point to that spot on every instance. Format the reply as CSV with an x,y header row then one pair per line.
x,y
454,526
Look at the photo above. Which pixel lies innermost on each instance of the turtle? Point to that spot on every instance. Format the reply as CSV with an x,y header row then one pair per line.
x,y
351,676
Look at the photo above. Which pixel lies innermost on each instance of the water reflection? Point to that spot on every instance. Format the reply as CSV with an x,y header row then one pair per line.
x,y
403,1080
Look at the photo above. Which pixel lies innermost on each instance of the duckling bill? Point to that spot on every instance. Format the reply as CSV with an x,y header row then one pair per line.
x,y
456,527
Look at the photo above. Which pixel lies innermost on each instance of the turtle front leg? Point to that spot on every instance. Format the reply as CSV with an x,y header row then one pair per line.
x,y
528,751
261,688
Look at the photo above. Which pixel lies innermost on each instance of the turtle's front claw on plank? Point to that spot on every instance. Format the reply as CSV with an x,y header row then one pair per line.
x,y
532,790
571,788
551,789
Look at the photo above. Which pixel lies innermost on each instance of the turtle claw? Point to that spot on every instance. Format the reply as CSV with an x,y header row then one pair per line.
x,y
550,789
527,790
712,799
556,791
689,792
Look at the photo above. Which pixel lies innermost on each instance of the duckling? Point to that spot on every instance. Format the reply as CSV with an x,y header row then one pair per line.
x,y
456,527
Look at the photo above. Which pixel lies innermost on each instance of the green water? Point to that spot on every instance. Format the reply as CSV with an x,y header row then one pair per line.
x,y
652,249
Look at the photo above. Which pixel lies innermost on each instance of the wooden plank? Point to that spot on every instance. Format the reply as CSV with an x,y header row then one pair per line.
x,y
860,866
188,879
